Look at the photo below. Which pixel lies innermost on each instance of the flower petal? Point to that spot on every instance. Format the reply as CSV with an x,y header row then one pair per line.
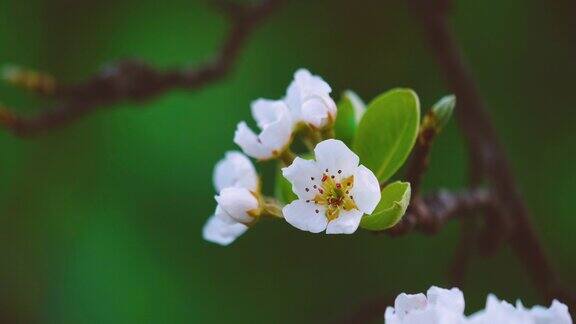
x,y
219,231
311,83
315,112
452,299
249,143
303,174
303,216
346,223
266,111
334,155
277,135
308,98
557,314
238,202
406,303
366,190
235,170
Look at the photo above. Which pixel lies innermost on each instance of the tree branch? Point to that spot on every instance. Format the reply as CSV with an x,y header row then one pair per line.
x,y
135,80
486,149
420,156
430,213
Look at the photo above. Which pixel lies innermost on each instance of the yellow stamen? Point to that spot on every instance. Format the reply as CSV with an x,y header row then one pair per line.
x,y
334,195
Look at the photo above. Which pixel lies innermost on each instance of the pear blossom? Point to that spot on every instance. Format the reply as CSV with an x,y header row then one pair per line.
x,y
500,311
308,97
221,229
556,314
240,204
438,306
236,182
334,191
443,306
275,122
235,170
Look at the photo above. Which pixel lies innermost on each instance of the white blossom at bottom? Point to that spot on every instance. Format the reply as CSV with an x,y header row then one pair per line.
x,y
443,306
500,311
438,306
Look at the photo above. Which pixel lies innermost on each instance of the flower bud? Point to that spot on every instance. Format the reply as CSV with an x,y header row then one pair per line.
x,y
442,111
240,204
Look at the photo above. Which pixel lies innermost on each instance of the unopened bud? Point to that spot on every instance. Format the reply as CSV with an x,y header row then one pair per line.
x,y
442,111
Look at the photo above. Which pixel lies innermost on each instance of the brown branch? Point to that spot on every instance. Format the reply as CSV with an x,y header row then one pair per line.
x,y
463,252
135,80
420,157
430,213
486,149
427,215
435,119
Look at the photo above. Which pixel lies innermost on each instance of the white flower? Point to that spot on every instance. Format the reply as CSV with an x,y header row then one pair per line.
x,y
221,229
236,182
240,204
439,306
235,170
442,306
501,312
333,191
308,98
273,118
556,314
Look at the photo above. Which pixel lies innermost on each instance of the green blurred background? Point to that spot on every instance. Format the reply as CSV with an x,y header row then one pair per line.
x,y
100,221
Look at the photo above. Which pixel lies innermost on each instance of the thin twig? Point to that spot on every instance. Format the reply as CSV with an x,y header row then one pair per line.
x,y
135,80
430,213
420,157
462,254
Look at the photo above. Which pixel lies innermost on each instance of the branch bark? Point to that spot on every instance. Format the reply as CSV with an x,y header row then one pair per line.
x,y
430,213
137,81
485,148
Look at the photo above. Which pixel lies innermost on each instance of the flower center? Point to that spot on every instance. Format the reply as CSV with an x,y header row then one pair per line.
x,y
334,194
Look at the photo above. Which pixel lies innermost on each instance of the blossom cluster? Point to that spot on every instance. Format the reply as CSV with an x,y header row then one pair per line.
x,y
333,190
446,306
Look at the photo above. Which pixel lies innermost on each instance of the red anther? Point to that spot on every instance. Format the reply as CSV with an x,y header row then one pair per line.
x,y
324,177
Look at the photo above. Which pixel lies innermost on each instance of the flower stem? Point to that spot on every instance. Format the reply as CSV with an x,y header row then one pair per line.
x,y
328,133
272,208
315,136
287,156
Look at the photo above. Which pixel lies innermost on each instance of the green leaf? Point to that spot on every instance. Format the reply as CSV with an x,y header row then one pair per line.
x,y
283,189
388,131
390,209
350,109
